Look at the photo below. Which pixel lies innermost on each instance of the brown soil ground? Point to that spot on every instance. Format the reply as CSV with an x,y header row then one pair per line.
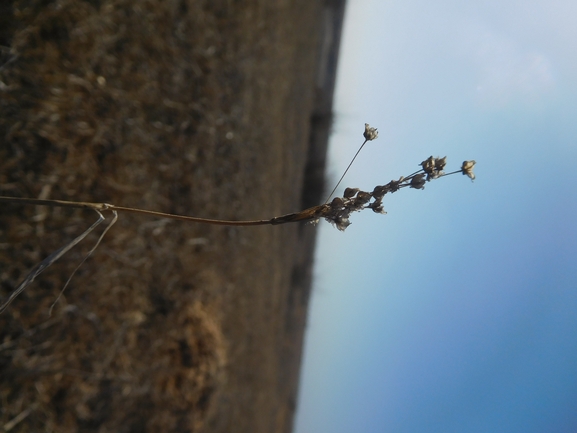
x,y
215,108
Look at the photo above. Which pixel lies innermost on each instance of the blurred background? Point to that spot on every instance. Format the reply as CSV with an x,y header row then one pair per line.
x,y
455,312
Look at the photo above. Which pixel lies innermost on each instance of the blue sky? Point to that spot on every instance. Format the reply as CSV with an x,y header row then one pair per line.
x,y
456,311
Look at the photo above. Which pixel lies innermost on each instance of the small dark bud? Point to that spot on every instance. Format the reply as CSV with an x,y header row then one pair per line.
x,y
440,163
395,185
418,182
377,207
350,192
428,165
363,197
380,191
337,203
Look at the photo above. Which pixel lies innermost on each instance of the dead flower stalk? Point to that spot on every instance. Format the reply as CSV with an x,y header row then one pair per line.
x,y
337,212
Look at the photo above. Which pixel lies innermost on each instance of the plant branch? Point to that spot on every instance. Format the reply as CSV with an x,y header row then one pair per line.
x,y
346,170
101,207
336,212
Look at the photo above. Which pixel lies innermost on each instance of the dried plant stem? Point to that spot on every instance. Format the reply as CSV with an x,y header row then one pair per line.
x,y
57,203
308,214
39,268
189,218
19,418
336,212
347,169
311,214
108,227
101,207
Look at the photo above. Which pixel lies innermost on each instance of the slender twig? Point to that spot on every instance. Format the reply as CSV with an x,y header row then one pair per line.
x,y
19,418
57,203
370,134
347,169
110,224
101,207
39,268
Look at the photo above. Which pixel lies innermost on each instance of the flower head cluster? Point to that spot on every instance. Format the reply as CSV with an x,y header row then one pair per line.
x,y
433,167
339,209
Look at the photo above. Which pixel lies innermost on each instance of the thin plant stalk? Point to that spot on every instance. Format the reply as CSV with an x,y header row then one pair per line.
x,y
370,134
336,212
347,169
39,268
102,207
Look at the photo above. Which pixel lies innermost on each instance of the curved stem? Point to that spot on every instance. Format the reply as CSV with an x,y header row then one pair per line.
x,y
305,215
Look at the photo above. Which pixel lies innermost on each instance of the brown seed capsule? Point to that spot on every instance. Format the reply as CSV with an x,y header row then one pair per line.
x,y
377,207
363,197
395,185
380,191
428,165
337,203
350,192
418,182
467,169
370,133
440,163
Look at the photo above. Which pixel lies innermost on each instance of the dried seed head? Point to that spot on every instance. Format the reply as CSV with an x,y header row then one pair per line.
x,y
340,209
350,192
337,203
440,163
377,207
418,182
370,133
434,167
395,185
341,223
467,169
380,191
428,165
363,197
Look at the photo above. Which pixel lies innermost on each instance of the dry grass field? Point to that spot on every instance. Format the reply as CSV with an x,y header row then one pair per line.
x,y
201,107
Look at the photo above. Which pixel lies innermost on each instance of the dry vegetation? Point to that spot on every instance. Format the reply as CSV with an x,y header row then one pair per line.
x,y
191,107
